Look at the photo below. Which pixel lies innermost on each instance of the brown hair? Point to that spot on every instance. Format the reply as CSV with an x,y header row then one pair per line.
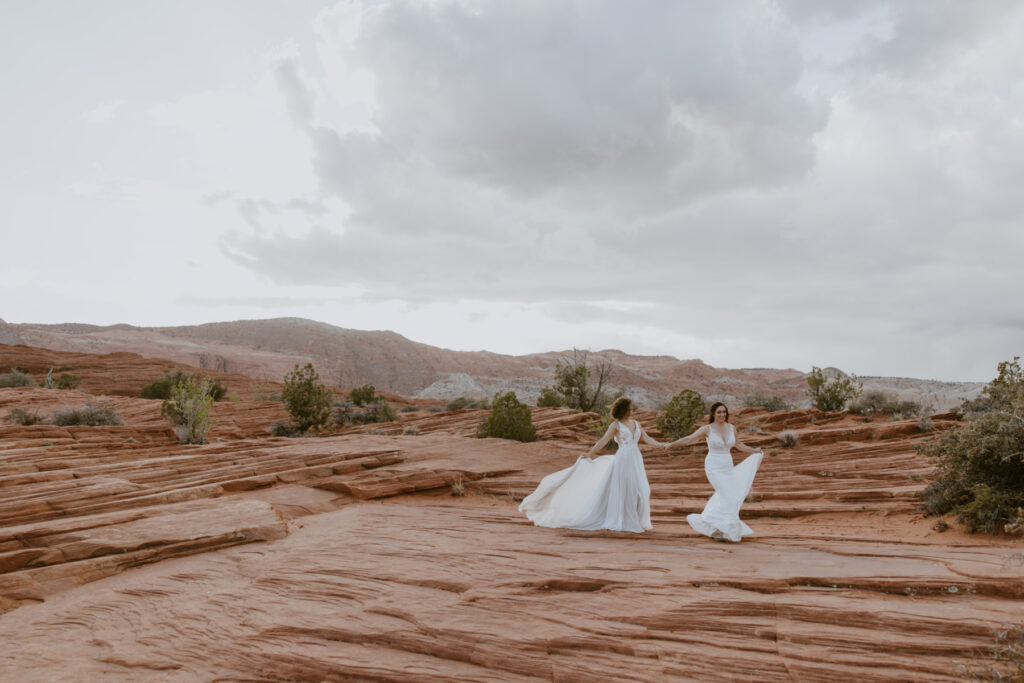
x,y
714,407
621,408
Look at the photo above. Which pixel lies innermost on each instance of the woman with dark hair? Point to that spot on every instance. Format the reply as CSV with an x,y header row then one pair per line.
x,y
721,516
608,492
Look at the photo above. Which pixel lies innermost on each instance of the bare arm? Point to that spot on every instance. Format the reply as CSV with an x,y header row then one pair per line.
x,y
603,441
648,439
744,448
701,433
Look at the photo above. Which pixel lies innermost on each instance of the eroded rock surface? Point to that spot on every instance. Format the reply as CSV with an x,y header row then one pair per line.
x,y
126,556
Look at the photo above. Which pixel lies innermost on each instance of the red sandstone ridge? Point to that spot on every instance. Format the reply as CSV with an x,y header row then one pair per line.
x,y
126,556
270,348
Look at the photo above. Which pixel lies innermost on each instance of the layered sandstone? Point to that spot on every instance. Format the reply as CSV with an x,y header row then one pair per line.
x,y
396,552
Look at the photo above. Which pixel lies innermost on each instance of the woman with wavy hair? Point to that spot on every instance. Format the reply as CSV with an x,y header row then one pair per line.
x,y
608,492
721,516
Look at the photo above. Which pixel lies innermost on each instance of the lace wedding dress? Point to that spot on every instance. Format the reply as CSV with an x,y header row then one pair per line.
x,y
608,492
721,516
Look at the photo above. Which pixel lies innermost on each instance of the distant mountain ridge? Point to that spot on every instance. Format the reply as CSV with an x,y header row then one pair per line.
x,y
267,349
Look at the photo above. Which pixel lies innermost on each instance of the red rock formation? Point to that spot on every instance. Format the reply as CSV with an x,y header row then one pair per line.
x,y
400,555
392,363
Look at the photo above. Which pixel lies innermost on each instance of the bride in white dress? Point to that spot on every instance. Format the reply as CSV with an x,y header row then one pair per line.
x,y
721,516
609,492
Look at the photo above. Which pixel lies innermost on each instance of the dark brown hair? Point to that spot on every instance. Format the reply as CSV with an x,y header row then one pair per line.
x,y
714,407
621,408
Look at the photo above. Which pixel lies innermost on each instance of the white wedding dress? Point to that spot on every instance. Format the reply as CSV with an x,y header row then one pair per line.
x,y
608,492
721,516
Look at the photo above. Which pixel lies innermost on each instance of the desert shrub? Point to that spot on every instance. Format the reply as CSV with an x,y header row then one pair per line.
x,y
789,438
282,428
24,417
465,403
980,466
67,381
1006,657
509,419
458,487
770,403
161,388
189,408
16,378
828,395
549,398
306,400
876,401
378,410
409,409
411,431
90,414
581,384
363,395
681,414
435,409
926,424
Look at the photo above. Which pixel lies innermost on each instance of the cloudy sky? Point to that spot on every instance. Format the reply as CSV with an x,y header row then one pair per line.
x,y
762,183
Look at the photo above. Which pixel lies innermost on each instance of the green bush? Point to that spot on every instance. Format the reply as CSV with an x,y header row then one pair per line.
x,y
363,395
464,403
91,415
980,466
759,399
409,409
189,408
16,378
306,400
681,414
509,419
829,395
161,388
549,398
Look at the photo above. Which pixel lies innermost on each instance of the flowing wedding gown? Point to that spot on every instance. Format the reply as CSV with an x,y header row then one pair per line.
x,y
721,516
608,492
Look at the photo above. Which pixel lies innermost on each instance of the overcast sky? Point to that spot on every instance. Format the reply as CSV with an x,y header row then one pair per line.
x,y
756,184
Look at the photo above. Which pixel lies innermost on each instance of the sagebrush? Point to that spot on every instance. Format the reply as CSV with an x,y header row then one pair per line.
x,y
89,415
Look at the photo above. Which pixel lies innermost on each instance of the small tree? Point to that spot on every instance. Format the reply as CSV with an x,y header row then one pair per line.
x,y
305,399
828,395
549,398
509,419
364,394
581,384
681,414
189,408
980,467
